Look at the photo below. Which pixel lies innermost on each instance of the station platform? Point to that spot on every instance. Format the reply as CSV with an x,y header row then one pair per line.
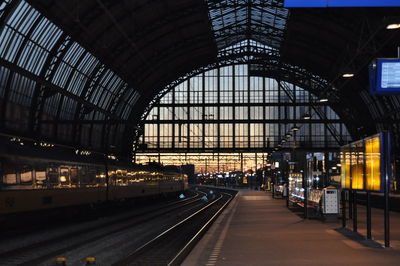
x,y
256,229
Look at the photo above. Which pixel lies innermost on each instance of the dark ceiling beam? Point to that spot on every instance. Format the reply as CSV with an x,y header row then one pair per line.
x,y
50,86
120,29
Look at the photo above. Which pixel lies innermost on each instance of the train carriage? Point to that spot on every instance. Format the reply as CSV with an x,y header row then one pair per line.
x,y
31,183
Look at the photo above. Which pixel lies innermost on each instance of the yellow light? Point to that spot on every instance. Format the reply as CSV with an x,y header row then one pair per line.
x,y
394,26
348,75
372,150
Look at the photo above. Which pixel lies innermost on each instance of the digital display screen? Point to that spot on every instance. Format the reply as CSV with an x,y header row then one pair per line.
x,y
341,3
390,75
387,76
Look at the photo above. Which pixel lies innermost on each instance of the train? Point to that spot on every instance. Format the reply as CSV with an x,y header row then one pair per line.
x,y
34,183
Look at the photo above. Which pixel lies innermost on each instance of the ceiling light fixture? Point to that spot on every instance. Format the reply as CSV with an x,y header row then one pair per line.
x,y
323,100
393,26
295,128
306,116
348,75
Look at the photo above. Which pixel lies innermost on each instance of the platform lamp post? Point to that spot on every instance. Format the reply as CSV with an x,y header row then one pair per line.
x,y
368,203
304,185
386,184
343,208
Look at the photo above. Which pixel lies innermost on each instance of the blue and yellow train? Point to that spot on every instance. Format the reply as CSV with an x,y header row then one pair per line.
x,y
31,183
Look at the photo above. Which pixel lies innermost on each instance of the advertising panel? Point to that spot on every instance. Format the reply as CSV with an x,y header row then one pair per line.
x,y
362,164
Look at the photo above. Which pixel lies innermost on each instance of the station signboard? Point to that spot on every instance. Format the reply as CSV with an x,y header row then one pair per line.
x,y
384,75
341,3
364,163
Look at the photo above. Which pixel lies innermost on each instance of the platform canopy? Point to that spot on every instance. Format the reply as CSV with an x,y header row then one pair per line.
x,y
84,73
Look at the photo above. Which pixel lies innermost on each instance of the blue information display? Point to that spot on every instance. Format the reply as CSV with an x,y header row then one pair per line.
x,y
341,3
387,77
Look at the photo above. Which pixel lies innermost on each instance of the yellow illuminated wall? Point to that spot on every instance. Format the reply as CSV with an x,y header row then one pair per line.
x,y
345,162
357,165
373,159
361,163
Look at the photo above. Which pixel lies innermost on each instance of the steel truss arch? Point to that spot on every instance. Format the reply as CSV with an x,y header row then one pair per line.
x,y
261,58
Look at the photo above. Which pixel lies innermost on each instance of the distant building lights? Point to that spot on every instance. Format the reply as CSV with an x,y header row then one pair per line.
x,y
112,157
44,144
394,26
83,153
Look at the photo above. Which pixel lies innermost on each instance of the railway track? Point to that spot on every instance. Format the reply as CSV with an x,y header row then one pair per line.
x,y
162,236
43,249
171,246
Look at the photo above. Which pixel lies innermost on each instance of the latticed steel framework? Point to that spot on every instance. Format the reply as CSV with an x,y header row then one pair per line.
x,y
86,73
48,80
234,21
226,109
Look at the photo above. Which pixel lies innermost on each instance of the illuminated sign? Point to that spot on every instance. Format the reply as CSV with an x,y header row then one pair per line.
x,y
385,76
363,164
341,3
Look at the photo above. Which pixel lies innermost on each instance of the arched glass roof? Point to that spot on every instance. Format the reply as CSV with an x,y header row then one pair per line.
x,y
234,21
84,75
48,82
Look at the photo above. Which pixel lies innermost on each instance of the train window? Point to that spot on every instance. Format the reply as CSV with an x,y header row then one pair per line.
x,y
9,175
10,178
112,177
83,174
74,175
91,175
52,175
26,175
101,178
40,176
64,176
